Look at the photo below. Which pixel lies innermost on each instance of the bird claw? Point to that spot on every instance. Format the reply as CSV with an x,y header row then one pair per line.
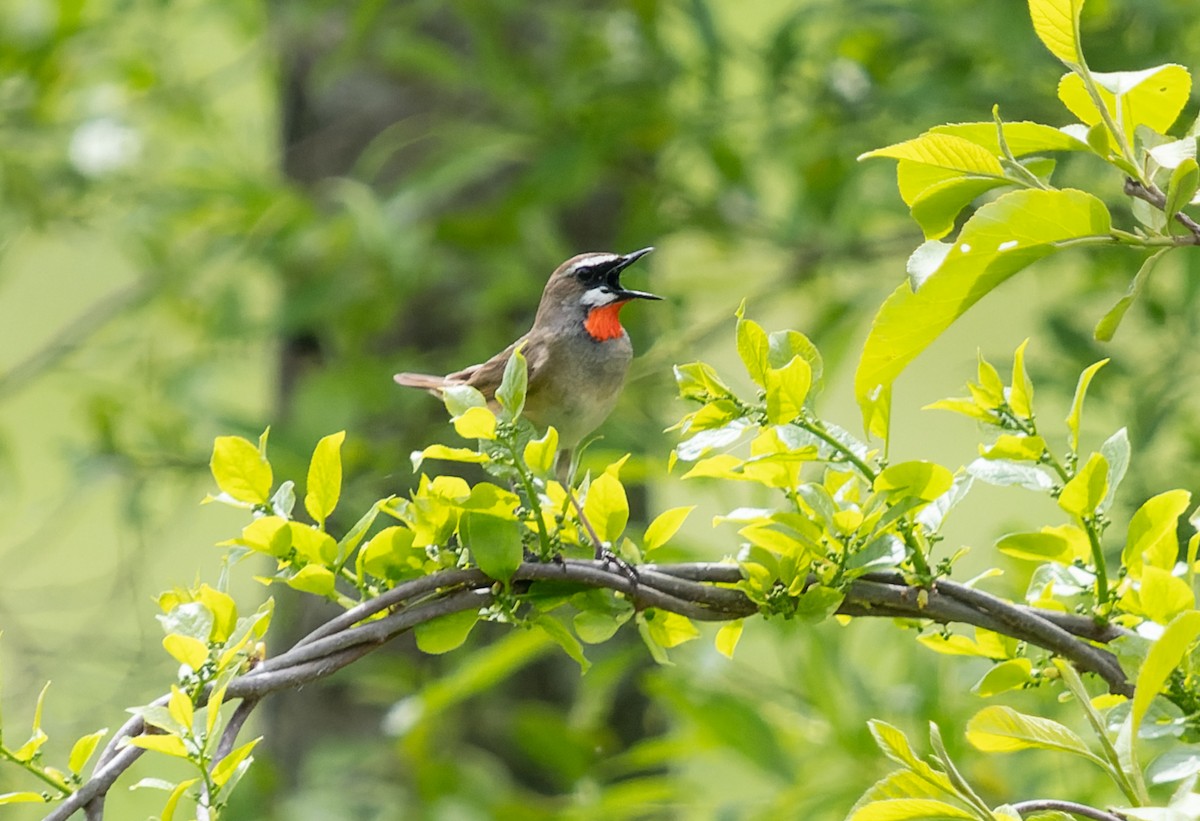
x,y
609,560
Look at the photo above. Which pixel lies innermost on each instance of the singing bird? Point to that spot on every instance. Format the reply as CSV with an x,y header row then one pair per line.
x,y
577,352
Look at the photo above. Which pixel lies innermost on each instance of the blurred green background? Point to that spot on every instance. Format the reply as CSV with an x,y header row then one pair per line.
x,y
221,215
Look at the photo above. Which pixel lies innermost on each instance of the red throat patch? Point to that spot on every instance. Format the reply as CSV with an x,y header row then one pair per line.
x,y
604,323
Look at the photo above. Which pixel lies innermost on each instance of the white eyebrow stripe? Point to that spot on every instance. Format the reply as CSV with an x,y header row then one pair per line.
x,y
594,261
595,297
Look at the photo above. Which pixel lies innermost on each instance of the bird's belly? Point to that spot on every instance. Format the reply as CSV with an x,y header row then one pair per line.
x,y
580,390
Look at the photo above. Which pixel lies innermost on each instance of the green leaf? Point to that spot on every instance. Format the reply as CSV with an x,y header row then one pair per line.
x,y
228,765
787,388
936,209
1184,182
607,507
664,527
1056,23
1003,237
514,384
476,423
1164,656
312,578
1000,729
783,346
1152,97
1152,538
896,746
1005,676
186,650
82,750
1085,492
494,542
1163,596
752,347
1115,451
240,470
1073,418
325,478
445,633
461,398
540,454
910,809
921,480
37,736
698,380
944,151
1106,328
553,628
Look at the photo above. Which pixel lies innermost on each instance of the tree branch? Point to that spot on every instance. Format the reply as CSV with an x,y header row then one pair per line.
x,y
1158,199
698,590
1050,805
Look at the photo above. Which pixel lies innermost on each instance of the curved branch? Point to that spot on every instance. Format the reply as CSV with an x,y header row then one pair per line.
x,y
698,590
1070,807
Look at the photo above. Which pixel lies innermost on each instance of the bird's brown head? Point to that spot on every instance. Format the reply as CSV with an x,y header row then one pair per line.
x,y
588,288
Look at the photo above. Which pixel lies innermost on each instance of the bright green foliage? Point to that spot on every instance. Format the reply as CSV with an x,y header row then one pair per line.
x,y
325,478
1123,119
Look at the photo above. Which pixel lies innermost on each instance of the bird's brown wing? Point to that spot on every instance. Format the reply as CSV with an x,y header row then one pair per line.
x,y
486,376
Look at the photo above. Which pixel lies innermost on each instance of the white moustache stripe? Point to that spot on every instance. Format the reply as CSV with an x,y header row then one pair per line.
x,y
595,297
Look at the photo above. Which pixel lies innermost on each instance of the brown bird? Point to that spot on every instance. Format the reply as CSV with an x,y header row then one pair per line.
x,y
577,352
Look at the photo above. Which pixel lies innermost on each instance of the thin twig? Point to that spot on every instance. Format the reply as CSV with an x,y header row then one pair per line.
x,y
1158,199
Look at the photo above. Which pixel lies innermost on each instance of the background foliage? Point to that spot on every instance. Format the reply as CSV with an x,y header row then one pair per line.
x,y
219,213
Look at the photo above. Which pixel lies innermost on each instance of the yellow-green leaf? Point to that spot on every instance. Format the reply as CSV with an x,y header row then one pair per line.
x,y
494,542
910,809
1153,97
325,478
787,388
389,554
1152,538
1002,238
964,406
168,744
448,454
224,612
541,453
1000,729
82,750
1056,23
186,650
664,526
476,423
1005,676
753,347
1083,494
313,578
1020,398
1164,656
946,151
607,507
445,633
180,707
1060,543
953,645
1073,418
22,798
1163,596
922,480
670,629
228,765
168,813
1018,447
312,545
240,470
728,637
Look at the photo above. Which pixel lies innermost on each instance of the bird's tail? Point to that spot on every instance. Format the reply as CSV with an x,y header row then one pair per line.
x,y
423,381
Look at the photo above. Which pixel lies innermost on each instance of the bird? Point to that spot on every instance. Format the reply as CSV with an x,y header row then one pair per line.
x,y
577,353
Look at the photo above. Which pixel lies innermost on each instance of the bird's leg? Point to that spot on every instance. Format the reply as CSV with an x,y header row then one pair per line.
x,y
603,554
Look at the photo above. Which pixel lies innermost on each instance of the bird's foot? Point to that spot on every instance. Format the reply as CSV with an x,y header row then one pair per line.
x,y
611,561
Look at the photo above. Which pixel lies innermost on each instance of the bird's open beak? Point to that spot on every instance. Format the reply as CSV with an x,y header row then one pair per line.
x,y
625,262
